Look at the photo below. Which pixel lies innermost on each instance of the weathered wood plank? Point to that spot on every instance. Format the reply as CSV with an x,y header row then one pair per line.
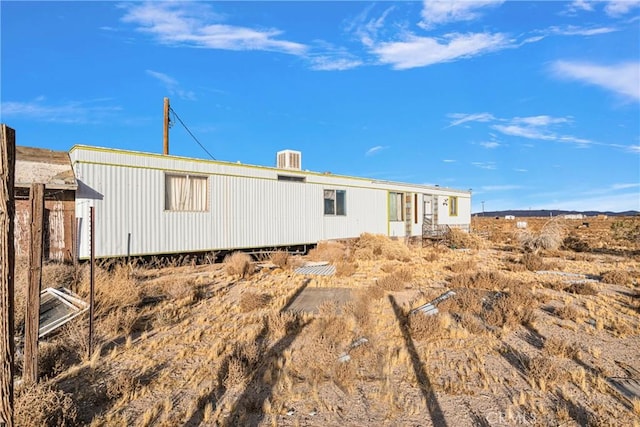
x,y
7,265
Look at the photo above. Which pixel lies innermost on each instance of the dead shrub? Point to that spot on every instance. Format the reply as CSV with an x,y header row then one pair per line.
x,y
345,268
114,289
533,262
328,251
250,301
325,339
575,243
123,384
465,301
280,259
568,312
396,281
376,246
550,237
481,280
238,264
543,372
54,357
425,327
463,266
75,335
508,310
581,288
559,348
375,292
39,404
118,322
431,256
617,277
457,238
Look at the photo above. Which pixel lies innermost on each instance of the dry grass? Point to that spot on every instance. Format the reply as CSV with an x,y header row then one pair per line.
x,y
397,280
281,259
375,247
581,288
550,237
509,309
328,251
43,405
533,262
250,301
617,277
558,347
568,312
239,264
463,266
457,238
482,280
345,268
425,327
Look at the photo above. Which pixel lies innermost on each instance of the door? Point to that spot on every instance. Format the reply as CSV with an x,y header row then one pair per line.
x,y
427,220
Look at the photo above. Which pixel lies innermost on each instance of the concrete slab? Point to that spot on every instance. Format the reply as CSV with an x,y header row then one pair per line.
x,y
311,298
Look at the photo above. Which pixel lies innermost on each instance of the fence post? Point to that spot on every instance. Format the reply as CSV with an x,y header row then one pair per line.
x,y
7,265
32,317
92,274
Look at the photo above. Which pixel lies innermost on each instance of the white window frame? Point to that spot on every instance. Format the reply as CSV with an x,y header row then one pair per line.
x,y
188,200
332,205
396,206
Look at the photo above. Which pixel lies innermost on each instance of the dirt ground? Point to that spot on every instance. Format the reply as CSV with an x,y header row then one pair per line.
x,y
543,336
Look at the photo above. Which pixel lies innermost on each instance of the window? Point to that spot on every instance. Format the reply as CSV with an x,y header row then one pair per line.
x,y
335,202
291,178
395,207
453,206
185,193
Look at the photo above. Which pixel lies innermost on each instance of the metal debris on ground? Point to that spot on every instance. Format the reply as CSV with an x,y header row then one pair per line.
x,y
317,269
58,307
344,357
430,307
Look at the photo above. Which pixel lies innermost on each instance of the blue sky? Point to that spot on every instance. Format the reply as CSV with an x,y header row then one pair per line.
x,y
529,104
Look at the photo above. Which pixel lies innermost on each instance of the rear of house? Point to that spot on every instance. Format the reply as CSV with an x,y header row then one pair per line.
x,y
149,203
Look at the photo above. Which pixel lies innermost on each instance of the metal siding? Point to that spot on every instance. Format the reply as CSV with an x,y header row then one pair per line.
x,y
247,206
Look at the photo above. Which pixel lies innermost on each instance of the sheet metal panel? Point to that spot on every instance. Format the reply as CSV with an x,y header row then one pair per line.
x,y
247,206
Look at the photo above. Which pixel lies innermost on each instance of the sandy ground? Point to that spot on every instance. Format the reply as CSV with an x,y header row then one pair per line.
x,y
209,358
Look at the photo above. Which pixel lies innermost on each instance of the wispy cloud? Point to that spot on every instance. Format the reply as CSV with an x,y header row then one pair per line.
x,y
541,128
460,118
620,8
573,30
449,161
415,51
443,12
171,85
624,186
68,112
609,202
490,144
622,79
505,187
485,165
580,5
194,24
521,170
373,150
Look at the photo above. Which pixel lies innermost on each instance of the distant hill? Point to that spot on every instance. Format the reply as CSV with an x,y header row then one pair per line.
x,y
551,213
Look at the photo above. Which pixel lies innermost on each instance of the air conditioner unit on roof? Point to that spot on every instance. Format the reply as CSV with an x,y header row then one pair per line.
x,y
289,159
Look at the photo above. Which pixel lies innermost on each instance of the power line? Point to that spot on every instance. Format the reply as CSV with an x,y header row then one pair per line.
x,y
190,133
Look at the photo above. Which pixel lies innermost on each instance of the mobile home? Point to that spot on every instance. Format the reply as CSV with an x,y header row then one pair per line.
x,y
147,203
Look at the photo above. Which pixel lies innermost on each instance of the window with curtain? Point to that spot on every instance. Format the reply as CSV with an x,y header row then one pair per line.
x,y
185,193
453,206
335,202
395,207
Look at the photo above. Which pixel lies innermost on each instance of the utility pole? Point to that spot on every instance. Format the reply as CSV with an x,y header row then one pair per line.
x,y
7,266
165,127
482,207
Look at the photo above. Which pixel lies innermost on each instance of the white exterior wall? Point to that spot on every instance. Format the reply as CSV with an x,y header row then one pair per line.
x,y
248,207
